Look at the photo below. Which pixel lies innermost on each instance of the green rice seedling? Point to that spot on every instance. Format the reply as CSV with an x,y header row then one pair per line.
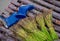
x,y
48,20
41,24
23,35
30,26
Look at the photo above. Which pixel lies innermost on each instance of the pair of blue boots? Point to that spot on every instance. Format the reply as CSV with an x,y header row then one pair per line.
x,y
16,16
